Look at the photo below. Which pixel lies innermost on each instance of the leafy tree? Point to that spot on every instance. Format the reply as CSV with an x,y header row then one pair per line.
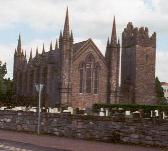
x,y
159,92
3,72
6,86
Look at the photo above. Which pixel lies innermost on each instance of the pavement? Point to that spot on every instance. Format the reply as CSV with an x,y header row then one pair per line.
x,y
20,141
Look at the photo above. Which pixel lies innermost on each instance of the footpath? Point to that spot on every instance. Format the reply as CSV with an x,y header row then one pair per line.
x,y
70,144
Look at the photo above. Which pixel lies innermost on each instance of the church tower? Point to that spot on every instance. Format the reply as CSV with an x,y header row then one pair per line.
x,y
112,58
66,46
19,61
138,66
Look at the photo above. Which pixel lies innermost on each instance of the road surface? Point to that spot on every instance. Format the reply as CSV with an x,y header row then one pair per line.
x,y
19,141
7,145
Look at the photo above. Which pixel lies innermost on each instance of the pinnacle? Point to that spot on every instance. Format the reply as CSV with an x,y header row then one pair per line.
x,y
66,24
19,44
114,34
56,44
51,46
30,54
43,51
36,51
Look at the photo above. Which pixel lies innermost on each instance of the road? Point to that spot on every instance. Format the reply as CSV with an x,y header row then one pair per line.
x,y
7,145
19,141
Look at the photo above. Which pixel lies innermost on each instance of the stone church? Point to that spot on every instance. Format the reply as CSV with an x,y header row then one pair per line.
x,y
79,75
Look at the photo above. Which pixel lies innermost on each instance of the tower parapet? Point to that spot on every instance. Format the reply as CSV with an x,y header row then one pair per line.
x,y
138,36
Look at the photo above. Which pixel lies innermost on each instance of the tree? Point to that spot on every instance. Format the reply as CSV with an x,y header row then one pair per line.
x,y
6,87
3,72
159,91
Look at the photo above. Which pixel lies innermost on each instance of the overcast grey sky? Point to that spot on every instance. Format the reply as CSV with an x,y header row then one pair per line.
x,y
40,21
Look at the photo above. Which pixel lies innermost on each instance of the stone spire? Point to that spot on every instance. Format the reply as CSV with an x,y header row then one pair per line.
x,y
71,36
118,42
56,44
60,36
21,56
25,59
15,51
25,54
108,42
66,26
51,46
30,58
114,34
22,52
60,40
37,51
19,46
107,49
43,51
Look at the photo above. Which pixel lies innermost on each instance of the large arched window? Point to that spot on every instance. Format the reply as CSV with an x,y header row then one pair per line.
x,y
89,66
96,78
89,75
81,74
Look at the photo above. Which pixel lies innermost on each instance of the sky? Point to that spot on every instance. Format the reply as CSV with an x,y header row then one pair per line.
x,y
40,21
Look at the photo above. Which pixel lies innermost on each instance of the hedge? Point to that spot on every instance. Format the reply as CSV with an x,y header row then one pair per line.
x,y
132,107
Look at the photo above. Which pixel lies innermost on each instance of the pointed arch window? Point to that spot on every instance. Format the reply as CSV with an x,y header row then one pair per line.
x,y
89,66
81,73
96,78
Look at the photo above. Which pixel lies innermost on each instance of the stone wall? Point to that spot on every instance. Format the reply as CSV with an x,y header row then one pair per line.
x,y
109,129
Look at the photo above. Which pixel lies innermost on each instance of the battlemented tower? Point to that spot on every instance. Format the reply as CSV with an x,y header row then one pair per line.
x,y
138,66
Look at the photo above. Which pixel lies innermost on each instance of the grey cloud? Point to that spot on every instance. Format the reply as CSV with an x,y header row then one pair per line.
x,y
89,18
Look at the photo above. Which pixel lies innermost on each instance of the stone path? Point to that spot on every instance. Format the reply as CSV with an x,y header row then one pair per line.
x,y
28,142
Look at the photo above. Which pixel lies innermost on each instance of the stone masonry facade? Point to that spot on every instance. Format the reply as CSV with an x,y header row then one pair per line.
x,y
107,129
78,75
138,66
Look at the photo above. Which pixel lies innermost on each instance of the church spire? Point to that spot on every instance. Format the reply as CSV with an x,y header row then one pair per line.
x,y
25,54
51,46
108,42
71,36
22,52
43,51
56,44
114,34
66,25
60,40
118,41
30,58
60,36
25,58
37,51
15,51
19,46
107,49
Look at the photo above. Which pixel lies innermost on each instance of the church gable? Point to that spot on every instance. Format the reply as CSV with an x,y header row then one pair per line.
x,y
86,47
89,76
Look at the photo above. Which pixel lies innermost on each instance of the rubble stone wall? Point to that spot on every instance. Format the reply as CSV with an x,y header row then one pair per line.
x,y
108,129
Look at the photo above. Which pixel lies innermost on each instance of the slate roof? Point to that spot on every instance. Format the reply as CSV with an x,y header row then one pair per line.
x,y
53,56
78,45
